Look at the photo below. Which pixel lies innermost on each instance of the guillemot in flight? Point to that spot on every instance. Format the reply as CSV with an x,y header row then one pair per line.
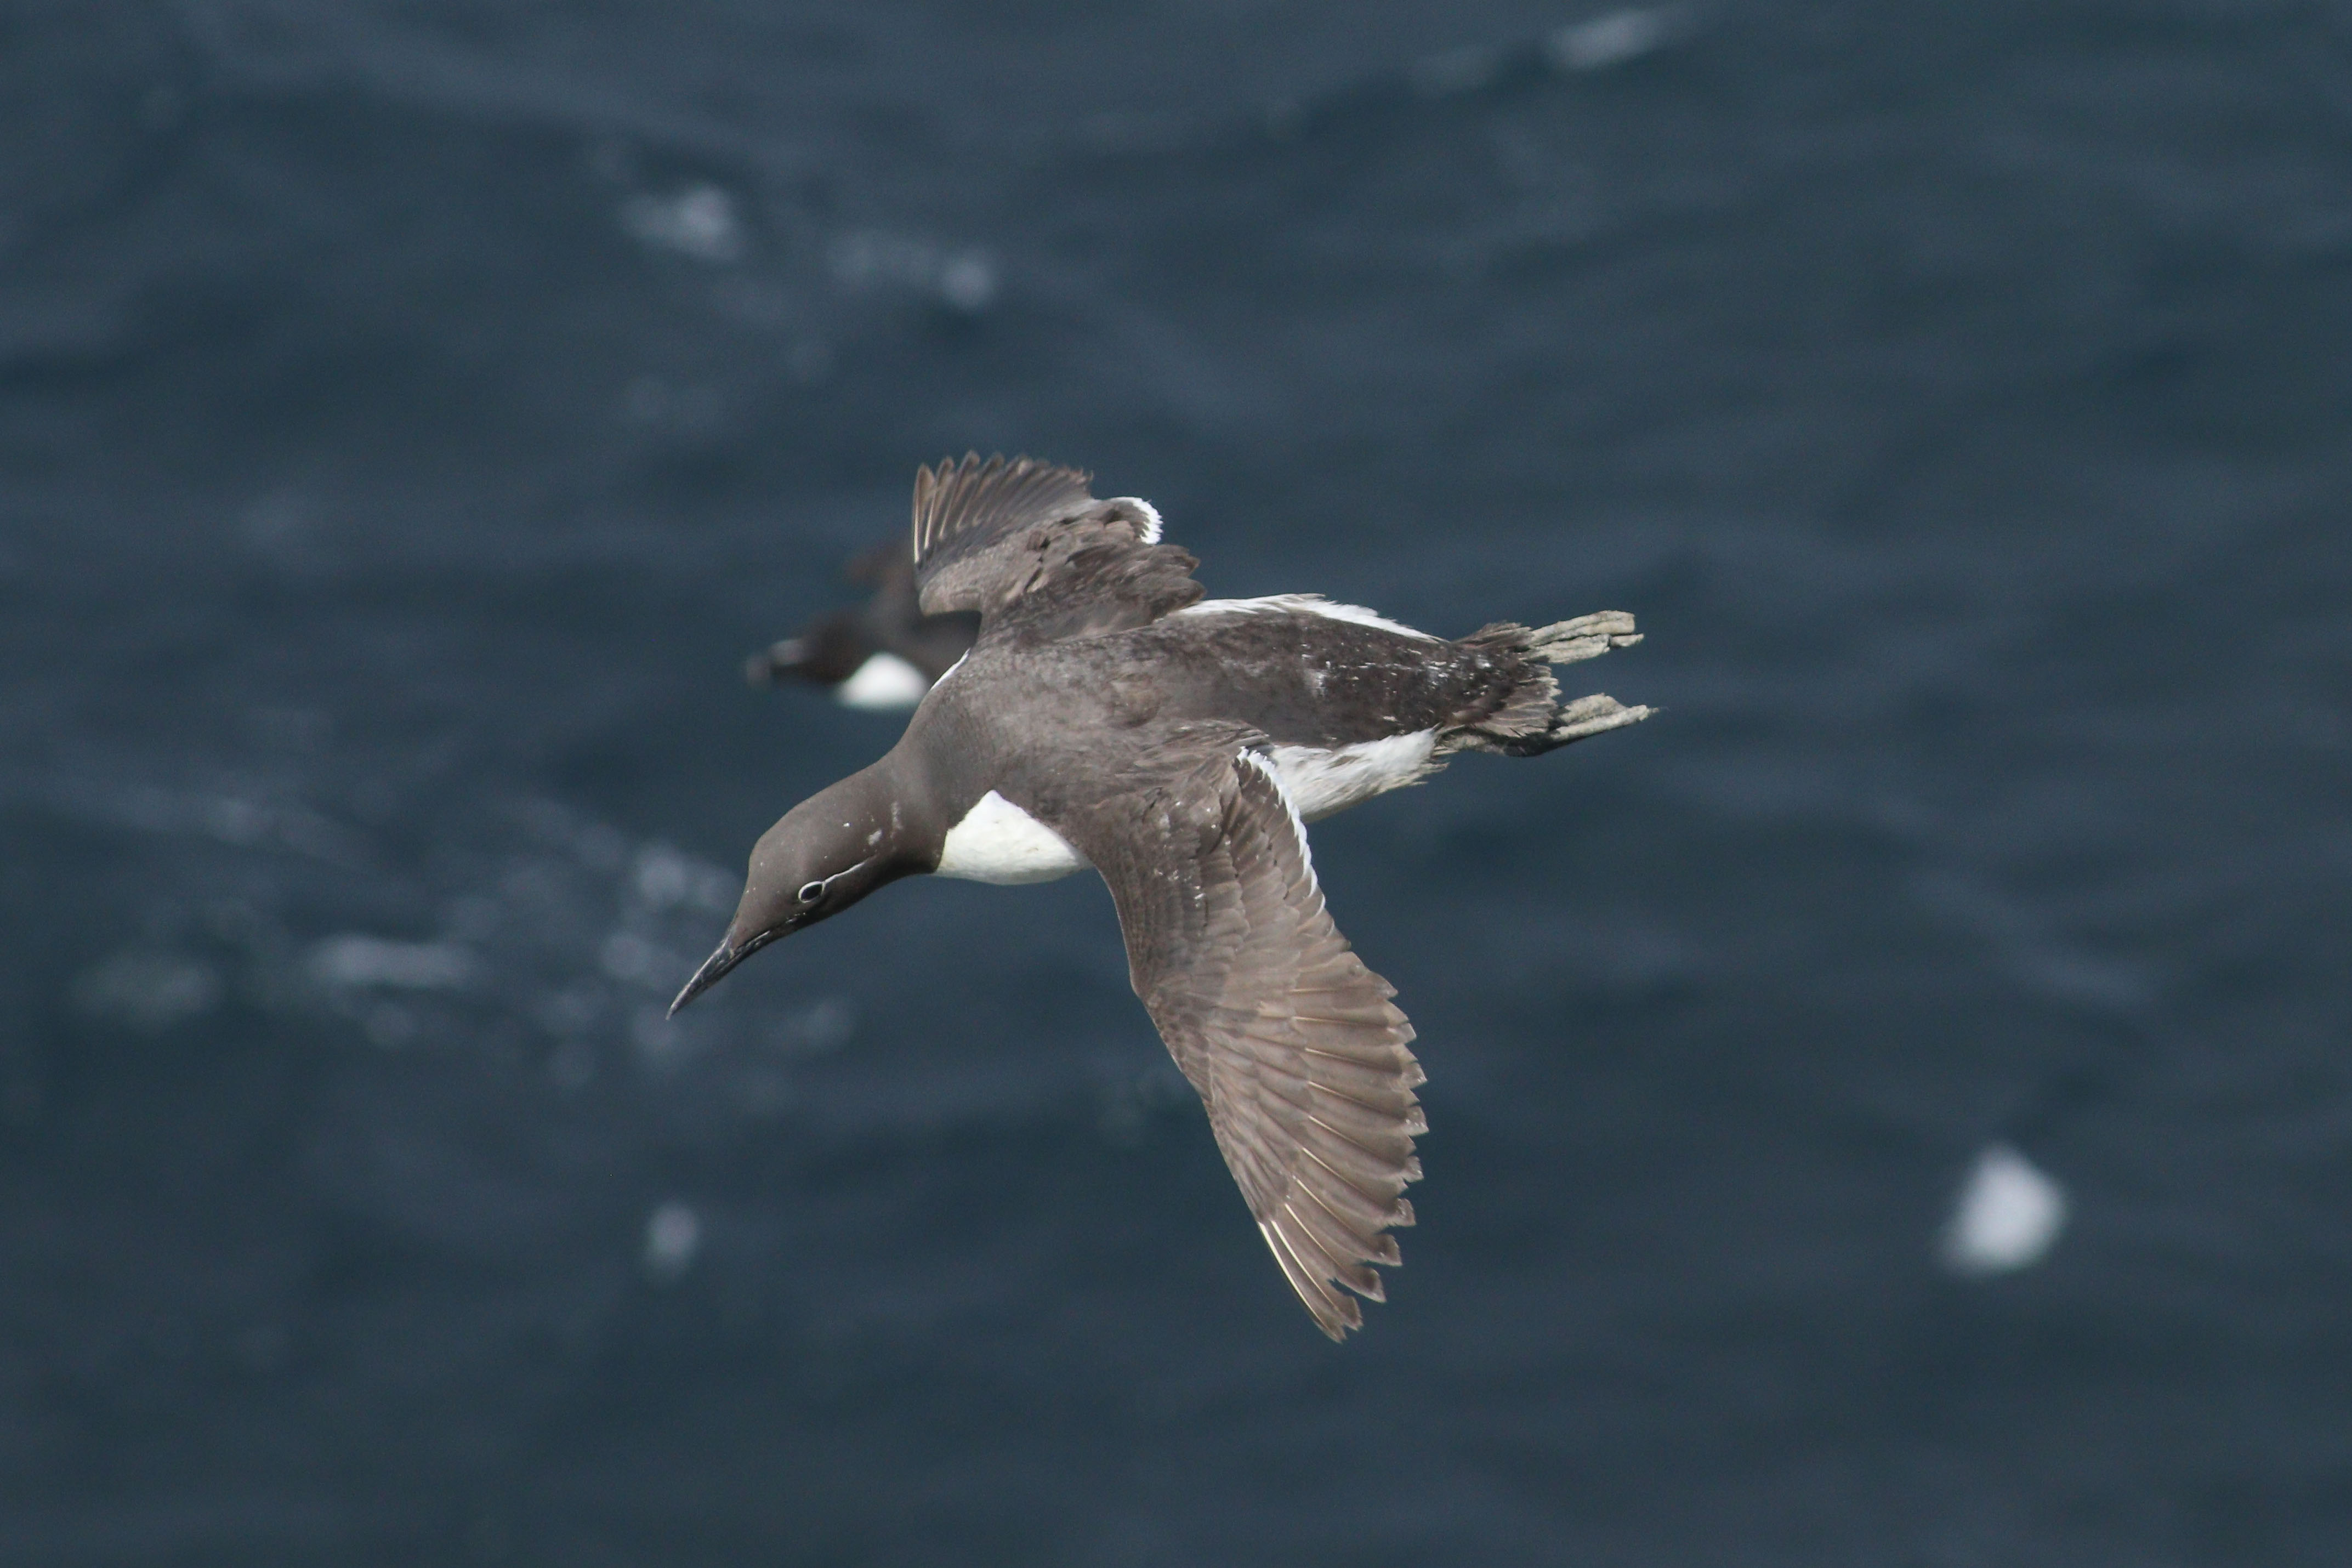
x,y
882,654
1108,716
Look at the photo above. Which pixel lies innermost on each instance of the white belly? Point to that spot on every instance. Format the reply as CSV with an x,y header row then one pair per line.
x,y
884,681
1321,781
998,842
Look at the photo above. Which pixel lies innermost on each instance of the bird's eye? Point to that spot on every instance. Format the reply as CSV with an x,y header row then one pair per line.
x,y
811,892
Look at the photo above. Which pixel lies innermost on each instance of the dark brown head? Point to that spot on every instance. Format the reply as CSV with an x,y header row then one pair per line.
x,y
825,855
827,653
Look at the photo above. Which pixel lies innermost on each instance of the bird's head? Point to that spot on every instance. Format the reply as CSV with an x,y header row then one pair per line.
x,y
828,653
825,855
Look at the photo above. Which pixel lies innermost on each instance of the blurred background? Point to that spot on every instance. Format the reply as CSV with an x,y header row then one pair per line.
x,y
1891,1109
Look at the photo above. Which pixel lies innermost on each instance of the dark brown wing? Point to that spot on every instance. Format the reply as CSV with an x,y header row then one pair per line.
x,y
1293,1044
1027,545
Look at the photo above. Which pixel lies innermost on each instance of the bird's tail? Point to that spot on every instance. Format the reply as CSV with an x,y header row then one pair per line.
x,y
1533,719
1587,636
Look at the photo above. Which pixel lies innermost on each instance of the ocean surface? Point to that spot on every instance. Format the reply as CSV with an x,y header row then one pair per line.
x,y
1893,1108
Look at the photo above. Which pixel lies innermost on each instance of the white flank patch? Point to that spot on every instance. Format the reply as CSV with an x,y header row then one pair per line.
x,y
998,842
2008,1217
1321,781
1301,604
884,681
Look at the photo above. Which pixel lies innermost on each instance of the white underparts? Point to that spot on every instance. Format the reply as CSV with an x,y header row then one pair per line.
x,y
998,842
1301,604
1324,780
884,681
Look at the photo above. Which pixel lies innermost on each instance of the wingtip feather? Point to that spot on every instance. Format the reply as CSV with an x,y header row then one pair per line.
x,y
1334,1313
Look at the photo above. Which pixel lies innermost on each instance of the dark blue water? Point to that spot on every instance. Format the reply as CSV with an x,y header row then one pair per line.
x,y
410,415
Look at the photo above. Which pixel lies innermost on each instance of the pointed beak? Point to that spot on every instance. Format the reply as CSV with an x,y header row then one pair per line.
x,y
713,970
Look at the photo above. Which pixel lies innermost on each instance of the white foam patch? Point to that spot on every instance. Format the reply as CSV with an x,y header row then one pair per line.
x,y
2008,1217
1613,38
663,878
963,279
673,1235
700,221
148,990
352,959
998,842
1301,604
630,958
884,681
555,941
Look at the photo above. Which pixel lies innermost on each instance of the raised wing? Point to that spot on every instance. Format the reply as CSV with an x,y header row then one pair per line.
x,y
1303,1061
1029,547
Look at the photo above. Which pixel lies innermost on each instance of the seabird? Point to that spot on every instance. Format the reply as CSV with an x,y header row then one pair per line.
x,y
1108,716
885,653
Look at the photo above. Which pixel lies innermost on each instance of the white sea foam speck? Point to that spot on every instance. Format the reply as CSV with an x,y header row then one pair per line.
x,y
1613,38
356,960
673,1235
2008,1215
700,221
148,991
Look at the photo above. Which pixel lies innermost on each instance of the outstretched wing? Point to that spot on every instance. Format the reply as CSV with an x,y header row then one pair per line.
x,y
1303,1061
1026,544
